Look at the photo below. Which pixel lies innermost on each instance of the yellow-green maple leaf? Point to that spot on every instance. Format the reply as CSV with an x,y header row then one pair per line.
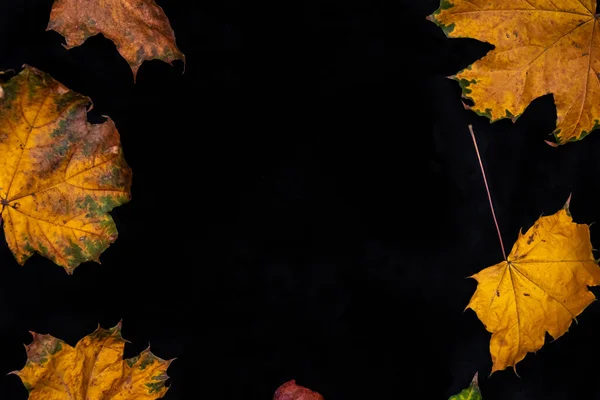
x,y
470,393
59,175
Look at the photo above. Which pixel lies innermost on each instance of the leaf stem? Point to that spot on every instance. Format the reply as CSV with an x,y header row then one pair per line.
x,y
488,190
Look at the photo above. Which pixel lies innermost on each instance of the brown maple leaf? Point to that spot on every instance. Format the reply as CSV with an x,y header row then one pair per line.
x,y
139,28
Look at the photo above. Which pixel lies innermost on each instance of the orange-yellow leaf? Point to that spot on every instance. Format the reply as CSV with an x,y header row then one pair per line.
x,y
139,28
92,370
541,287
541,47
291,391
59,175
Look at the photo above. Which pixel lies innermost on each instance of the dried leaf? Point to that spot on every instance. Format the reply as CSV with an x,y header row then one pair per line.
x,y
139,28
59,175
291,391
470,393
93,370
541,287
541,47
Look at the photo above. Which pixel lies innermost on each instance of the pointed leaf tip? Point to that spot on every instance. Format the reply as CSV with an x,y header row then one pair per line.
x,y
567,203
118,326
475,381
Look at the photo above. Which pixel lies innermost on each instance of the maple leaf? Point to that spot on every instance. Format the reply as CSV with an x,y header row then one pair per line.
x,y
291,391
540,287
541,47
92,370
59,175
139,28
470,393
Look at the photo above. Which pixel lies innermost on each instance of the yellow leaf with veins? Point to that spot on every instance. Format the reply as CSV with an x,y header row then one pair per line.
x,y
541,47
541,287
92,370
59,175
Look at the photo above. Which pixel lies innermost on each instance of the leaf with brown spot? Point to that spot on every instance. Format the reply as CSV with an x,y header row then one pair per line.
x,y
540,47
139,28
59,175
291,391
542,286
93,370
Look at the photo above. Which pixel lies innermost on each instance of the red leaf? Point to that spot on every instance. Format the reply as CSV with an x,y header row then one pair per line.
x,y
291,391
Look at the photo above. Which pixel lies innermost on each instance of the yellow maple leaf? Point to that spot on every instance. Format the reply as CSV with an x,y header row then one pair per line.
x,y
540,287
92,370
541,47
59,175
139,28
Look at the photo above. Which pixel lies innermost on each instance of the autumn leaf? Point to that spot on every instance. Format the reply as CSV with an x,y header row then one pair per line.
x,y
540,287
291,391
92,370
139,28
541,47
470,393
59,175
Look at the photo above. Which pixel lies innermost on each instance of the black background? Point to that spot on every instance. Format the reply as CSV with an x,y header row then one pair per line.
x,y
307,203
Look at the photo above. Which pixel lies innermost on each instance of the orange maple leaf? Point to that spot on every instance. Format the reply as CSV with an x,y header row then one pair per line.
x,y
139,28
541,47
540,287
